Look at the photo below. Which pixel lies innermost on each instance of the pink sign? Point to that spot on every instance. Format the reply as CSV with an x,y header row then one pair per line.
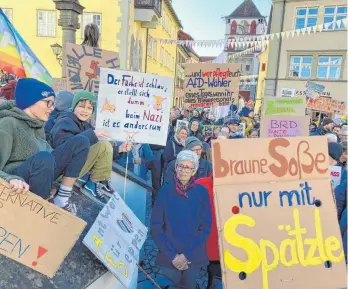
x,y
284,126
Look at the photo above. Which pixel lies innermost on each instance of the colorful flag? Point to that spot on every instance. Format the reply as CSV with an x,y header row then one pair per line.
x,y
15,55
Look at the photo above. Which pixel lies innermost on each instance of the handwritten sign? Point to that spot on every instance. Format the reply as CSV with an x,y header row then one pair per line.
x,y
327,104
182,123
134,105
279,231
83,65
208,130
284,106
59,84
313,90
284,126
116,238
336,175
34,232
287,92
211,84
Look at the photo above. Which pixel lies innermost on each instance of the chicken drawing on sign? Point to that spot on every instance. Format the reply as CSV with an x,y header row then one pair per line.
x,y
108,107
158,103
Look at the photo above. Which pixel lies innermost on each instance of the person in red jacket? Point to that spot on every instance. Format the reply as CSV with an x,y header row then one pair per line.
x,y
212,246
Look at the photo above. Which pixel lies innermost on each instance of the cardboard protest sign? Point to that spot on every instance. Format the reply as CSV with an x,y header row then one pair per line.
x,y
35,232
211,84
276,215
208,130
180,123
287,92
284,126
329,105
134,106
116,238
336,175
83,65
59,84
313,90
284,106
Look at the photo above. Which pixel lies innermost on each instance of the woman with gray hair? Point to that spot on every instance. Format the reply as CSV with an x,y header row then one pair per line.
x,y
91,35
181,223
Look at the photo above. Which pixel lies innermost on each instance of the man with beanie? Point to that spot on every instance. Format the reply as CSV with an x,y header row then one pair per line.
x,y
27,161
325,128
233,126
205,167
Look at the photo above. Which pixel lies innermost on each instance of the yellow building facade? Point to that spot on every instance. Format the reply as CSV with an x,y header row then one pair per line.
x,y
260,92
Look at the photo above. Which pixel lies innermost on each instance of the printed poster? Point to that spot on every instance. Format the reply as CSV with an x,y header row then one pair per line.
x,y
134,106
294,106
83,65
34,232
116,238
209,84
329,105
284,126
313,90
277,218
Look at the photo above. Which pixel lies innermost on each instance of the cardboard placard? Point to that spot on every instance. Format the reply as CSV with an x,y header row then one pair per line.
x,y
313,90
59,84
134,106
329,105
336,175
295,106
116,238
209,85
284,126
83,65
34,232
282,232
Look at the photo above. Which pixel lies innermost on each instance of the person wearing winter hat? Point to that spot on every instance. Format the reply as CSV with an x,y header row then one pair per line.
x,y
205,167
233,125
343,159
325,128
27,161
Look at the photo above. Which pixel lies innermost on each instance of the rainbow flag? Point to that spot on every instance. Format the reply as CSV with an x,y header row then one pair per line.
x,y
15,55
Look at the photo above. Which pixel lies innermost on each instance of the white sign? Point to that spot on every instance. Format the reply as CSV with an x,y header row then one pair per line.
x,y
335,173
288,92
181,123
116,238
134,106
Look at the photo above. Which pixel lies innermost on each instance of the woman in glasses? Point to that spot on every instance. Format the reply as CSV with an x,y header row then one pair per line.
x,y
27,161
181,223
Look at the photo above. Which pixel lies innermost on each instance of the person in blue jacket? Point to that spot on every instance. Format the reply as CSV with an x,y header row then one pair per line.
x,y
325,128
181,224
233,125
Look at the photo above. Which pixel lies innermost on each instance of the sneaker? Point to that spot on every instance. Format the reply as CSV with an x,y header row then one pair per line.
x,y
94,192
107,188
71,208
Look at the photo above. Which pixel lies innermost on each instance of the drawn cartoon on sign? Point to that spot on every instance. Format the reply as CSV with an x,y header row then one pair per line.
x,y
83,65
134,102
284,126
278,219
42,245
208,85
116,238
294,106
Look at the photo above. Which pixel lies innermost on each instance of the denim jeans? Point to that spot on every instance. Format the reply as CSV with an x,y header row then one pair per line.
x,y
182,279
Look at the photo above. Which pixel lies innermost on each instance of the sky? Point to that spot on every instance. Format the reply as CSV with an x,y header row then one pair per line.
x,y
202,19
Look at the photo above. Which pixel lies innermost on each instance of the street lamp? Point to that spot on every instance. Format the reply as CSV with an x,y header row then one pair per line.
x,y
57,50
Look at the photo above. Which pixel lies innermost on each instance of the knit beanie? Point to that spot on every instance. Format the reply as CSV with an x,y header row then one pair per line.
x,y
192,142
29,91
64,100
83,95
335,150
327,121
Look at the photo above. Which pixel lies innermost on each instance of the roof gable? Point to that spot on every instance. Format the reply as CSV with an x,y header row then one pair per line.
x,y
247,9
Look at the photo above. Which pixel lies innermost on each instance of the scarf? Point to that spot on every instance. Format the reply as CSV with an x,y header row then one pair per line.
x,y
136,155
182,189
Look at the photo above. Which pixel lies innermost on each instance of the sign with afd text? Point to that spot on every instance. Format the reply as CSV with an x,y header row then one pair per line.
x,y
34,232
134,106
278,219
82,66
116,238
209,85
294,106
284,126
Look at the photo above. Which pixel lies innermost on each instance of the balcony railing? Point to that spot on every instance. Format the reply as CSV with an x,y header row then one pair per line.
x,y
155,5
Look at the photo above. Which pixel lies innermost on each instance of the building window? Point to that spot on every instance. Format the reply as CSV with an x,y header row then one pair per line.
x,y
234,27
253,27
306,17
161,55
329,67
247,67
149,47
46,23
301,66
154,49
88,18
8,13
335,13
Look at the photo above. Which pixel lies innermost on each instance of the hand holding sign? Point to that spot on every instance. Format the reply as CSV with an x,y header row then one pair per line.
x,y
19,186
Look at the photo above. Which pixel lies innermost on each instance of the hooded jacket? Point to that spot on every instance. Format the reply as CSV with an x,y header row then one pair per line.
x,y
20,138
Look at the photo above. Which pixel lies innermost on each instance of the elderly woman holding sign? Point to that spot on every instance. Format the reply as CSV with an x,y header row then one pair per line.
x,y
181,223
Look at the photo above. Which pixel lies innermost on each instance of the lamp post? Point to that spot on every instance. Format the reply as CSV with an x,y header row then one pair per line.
x,y
57,51
69,21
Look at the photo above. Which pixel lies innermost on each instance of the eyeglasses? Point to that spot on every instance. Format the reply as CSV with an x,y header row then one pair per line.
x,y
184,169
50,103
197,150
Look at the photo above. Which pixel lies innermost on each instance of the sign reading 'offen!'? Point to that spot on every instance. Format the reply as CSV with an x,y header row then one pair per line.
x,y
277,214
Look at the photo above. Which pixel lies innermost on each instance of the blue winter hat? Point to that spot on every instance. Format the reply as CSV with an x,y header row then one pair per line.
x,y
234,121
29,91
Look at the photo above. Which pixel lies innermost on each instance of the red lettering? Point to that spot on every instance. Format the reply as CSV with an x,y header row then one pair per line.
x,y
220,165
281,170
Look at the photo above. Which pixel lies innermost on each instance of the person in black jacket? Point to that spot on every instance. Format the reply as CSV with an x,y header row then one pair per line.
x,y
196,129
325,128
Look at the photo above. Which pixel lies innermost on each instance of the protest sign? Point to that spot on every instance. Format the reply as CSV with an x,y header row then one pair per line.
x,y
329,105
336,174
180,123
34,232
313,90
284,126
83,65
287,92
208,130
278,220
134,106
284,106
209,85
59,84
116,238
